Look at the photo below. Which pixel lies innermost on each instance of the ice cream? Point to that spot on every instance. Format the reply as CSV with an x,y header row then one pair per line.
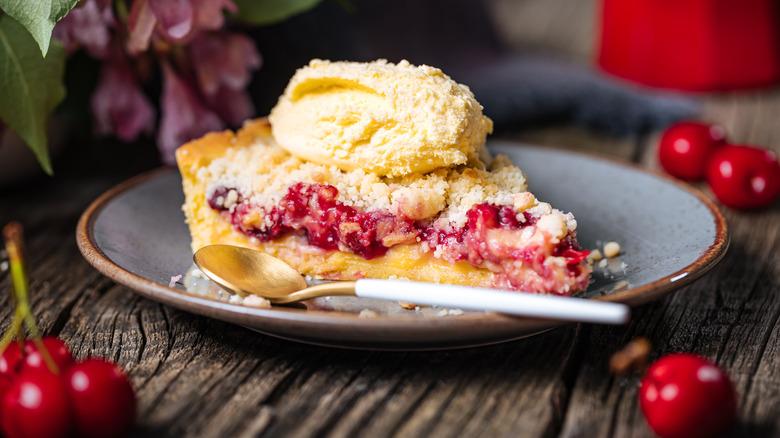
x,y
387,119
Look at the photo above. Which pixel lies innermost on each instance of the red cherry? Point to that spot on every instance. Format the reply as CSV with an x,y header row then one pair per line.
x,y
744,177
10,360
35,405
33,359
684,395
102,399
686,146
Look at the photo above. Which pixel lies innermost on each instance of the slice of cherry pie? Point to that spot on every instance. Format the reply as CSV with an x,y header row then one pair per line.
x,y
470,225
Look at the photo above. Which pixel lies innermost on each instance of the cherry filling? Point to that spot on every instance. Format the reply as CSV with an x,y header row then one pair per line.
x,y
314,210
328,224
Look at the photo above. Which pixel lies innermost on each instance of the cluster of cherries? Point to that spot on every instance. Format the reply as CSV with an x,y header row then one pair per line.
x,y
740,176
49,394
683,395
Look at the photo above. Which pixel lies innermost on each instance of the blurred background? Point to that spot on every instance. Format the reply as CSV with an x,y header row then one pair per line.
x,y
540,68
530,63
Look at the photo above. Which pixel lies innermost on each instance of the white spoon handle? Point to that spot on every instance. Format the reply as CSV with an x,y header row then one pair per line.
x,y
473,298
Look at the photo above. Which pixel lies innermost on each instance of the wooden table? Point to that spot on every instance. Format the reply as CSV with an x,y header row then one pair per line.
x,y
195,376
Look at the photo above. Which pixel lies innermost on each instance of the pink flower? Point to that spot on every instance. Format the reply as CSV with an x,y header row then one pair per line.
x,y
209,15
175,17
223,65
205,71
223,59
176,21
87,26
119,105
140,25
184,115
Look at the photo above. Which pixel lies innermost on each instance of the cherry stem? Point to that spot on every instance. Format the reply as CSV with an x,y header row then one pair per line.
x,y
14,245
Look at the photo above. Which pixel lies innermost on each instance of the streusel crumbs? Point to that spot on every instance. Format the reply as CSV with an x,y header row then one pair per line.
x,y
266,170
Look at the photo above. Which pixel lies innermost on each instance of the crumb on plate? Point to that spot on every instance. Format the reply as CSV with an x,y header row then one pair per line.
x,y
611,249
174,279
258,302
367,313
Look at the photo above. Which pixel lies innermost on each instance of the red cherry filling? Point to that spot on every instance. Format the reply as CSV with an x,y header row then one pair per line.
x,y
327,223
314,210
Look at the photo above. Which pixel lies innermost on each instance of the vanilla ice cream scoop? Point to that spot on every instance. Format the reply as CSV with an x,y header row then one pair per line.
x,y
387,119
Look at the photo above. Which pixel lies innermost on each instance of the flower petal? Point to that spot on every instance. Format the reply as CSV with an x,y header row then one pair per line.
x,y
209,14
119,106
140,24
223,59
87,26
184,116
176,18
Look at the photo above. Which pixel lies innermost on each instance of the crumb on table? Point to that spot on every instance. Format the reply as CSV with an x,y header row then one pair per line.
x,y
632,357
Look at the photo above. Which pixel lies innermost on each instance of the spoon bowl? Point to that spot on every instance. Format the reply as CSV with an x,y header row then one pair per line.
x,y
245,271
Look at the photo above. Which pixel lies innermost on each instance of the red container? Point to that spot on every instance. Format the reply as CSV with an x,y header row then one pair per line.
x,y
694,45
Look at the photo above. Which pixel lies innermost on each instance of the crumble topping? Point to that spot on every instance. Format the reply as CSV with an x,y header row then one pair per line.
x,y
261,174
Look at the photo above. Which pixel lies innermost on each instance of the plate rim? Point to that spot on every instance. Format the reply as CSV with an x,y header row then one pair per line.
x,y
267,320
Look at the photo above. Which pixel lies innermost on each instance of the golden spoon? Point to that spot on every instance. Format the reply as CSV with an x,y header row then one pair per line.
x,y
245,271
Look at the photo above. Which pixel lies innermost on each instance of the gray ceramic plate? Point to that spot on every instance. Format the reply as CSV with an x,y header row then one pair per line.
x,y
670,234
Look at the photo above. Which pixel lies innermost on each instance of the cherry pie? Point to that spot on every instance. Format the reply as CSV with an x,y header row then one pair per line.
x,y
469,224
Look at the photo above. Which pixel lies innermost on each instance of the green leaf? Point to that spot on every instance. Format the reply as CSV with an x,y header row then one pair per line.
x,y
38,16
31,86
261,12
